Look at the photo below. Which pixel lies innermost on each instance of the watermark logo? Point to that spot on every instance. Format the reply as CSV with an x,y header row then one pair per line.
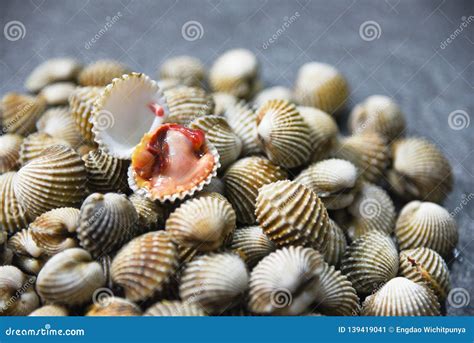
x,y
102,297
14,30
370,30
287,21
104,120
370,208
465,22
109,22
459,297
458,120
281,298
192,30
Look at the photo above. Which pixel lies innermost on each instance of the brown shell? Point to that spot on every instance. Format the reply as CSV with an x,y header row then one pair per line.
x,y
50,311
59,123
19,113
35,144
105,173
13,216
101,73
114,307
242,181
175,308
10,152
187,103
251,244
81,103
151,215
337,245
187,70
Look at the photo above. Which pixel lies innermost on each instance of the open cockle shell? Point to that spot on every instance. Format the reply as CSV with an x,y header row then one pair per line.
x,y
17,293
52,70
129,107
176,308
10,152
401,297
426,224
59,123
70,277
251,244
101,73
19,113
292,214
13,216
426,267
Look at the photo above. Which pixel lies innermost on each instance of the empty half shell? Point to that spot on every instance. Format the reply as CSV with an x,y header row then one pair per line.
x,y
333,180
105,173
428,225
273,93
202,223
176,308
223,102
52,70
59,123
111,306
17,293
111,120
13,216
243,121
426,267
106,221
370,261
188,103
54,231
242,181
419,170
50,311
58,93
35,144
151,216
401,297
251,244
379,114
81,103
368,152
101,73
322,86
19,113
235,72
215,282
187,70
283,133
221,135
323,131
336,246
372,210
144,266
55,179
292,214
70,277
10,152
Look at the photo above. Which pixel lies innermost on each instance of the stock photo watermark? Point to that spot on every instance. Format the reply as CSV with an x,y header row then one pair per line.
x,y
458,120
465,22
287,21
14,30
370,30
110,21
192,30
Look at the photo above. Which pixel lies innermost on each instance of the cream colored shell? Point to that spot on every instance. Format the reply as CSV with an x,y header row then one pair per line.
x,y
187,70
17,293
251,244
58,93
112,306
273,93
243,121
187,103
10,152
19,112
13,216
81,104
52,70
100,73
174,308
59,123
35,144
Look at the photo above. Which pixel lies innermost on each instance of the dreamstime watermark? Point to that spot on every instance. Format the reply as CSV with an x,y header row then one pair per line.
x,y
14,298
192,30
287,21
21,113
466,21
370,208
102,297
109,22
104,120
459,297
44,331
458,120
370,30
465,200
14,30
281,298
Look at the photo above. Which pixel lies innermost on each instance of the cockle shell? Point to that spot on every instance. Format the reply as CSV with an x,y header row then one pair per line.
x,y
59,123
425,266
167,84
105,173
112,306
426,224
111,120
379,114
322,86
187,70
10,152
235,72
243,121
151,216
35,144
283,133
372,210
58,93
70,277
215,282
188,103
292,214
251,244
55,179
323,131
333,180
242,181
52,70
28,256
336,246
175,308
220,134
6,254
145,264
19,113
101,73
401,297
54,231
368,152
223,102
81,103
370,261
106,221
50,311
17,293
13,216
419,170
202,223
273,93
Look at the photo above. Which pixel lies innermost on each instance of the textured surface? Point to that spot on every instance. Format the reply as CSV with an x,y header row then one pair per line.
x,y
410,60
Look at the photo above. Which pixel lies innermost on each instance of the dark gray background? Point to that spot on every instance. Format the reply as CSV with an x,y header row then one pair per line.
x,y
405,62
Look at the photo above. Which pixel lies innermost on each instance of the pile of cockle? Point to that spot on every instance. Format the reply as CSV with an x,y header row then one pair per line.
x,y
202,194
